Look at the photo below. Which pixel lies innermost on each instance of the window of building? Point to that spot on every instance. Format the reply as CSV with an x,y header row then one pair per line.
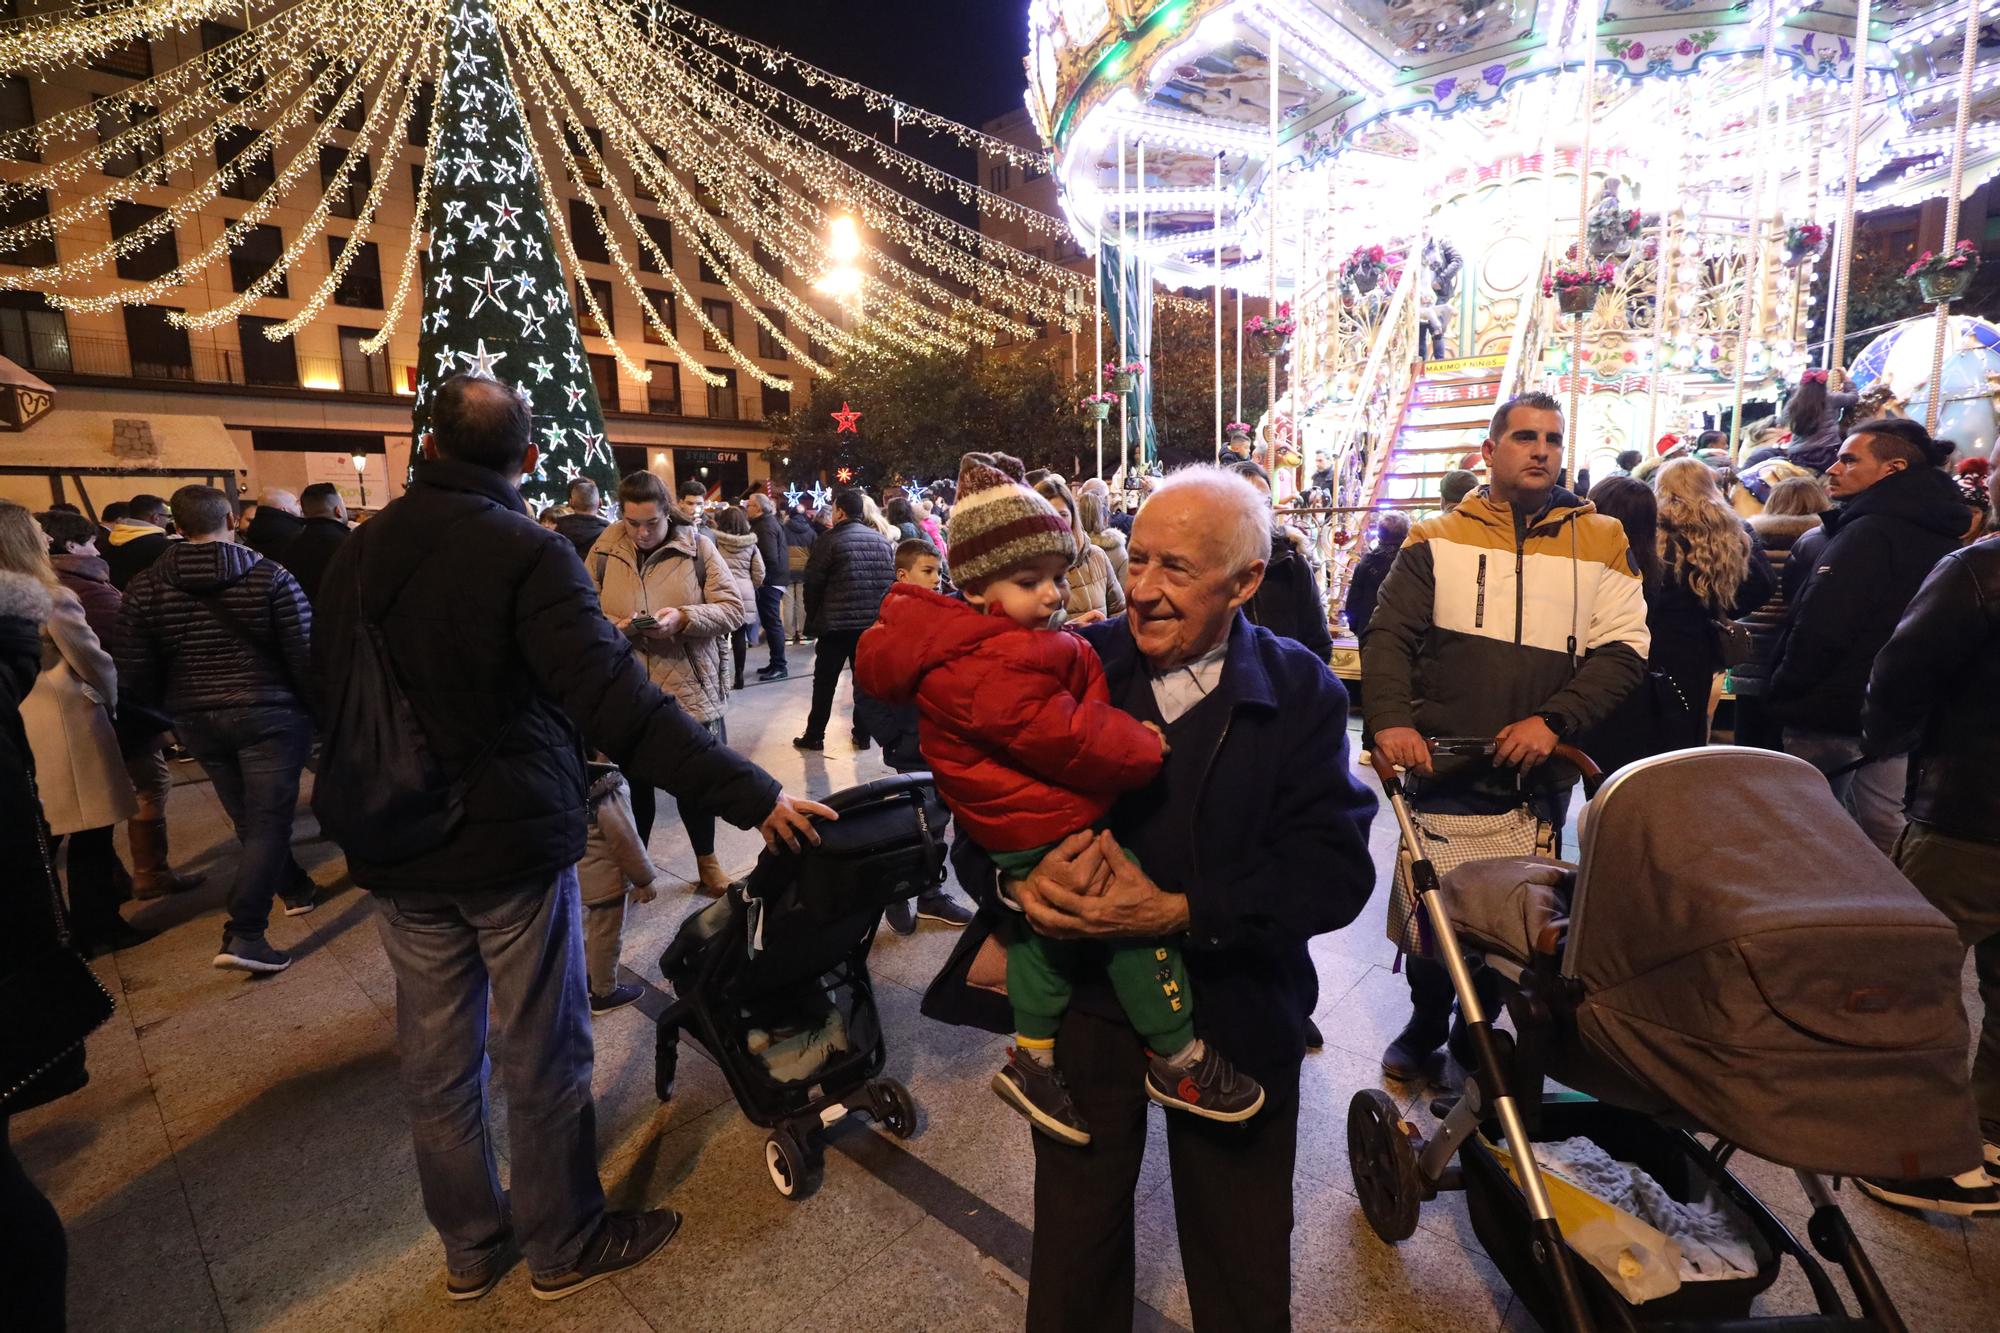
x,y
777,402
663,391
254,175
347,201
243,76
419,129
722,397
265,361
157,257
767,341
356,113
586,232
1000,177
134,60
17,112
585,321
1033,171
137,151
252,257
40,250
362,372
604,374
766,260
723,316
664,303
159,350
709,273
585,173
662,233
361,285
31,334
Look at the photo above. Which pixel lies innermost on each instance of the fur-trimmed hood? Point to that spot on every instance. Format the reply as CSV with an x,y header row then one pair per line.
x,y
24,597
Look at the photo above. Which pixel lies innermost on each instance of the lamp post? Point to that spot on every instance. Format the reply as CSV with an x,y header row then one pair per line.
x,y
843,280
360,462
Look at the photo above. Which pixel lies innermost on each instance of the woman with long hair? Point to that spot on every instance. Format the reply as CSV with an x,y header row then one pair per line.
x,y
872,515
79,767
1711,571
1092,586
738,545
902,516
1093,511
1792,509
1814,417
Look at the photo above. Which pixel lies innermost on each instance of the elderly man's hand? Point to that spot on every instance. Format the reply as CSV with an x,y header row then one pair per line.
x,y
1058,901
1523,744
1405,747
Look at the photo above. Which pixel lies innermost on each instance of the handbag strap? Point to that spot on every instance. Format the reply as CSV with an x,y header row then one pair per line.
x,y
48,861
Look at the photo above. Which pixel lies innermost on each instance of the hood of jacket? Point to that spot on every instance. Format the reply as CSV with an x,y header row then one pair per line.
x,y
125,530
573,525
799,530
272,525
617,543
731,543
1922,496
24,597
920,630
205,567
1779,531
88,567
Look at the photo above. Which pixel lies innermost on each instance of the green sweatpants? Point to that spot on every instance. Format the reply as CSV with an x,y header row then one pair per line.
x,y
1148,978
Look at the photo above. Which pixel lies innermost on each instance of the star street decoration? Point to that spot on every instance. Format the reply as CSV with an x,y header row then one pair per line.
x,y
497,305
846,421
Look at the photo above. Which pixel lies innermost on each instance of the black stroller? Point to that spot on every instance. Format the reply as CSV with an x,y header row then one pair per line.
x,y
1731,956
772,979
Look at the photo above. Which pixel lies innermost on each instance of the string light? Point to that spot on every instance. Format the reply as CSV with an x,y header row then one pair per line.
x,y
52,40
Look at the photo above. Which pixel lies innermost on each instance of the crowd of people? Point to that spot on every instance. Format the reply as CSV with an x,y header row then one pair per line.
x,y
1130,715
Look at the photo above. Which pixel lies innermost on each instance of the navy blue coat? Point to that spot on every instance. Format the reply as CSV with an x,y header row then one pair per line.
x,y
1258,818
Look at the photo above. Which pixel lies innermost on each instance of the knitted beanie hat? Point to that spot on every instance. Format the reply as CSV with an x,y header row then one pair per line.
x,y
1001,523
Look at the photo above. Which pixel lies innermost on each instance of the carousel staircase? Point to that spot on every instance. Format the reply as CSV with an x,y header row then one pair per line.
x,y
1445,420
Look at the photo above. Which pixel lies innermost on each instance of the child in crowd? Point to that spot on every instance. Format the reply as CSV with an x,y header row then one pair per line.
x,y
1018,727
894,726
615,863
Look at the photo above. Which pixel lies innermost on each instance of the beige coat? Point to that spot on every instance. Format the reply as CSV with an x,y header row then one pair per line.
x,y
1092,587
1112,542
688,664
68,716
746,566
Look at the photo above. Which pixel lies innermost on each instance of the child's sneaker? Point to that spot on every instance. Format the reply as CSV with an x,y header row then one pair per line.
x,y
1208,1086
1038,1092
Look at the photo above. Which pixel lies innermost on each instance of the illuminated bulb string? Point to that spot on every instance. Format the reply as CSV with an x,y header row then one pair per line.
x,y
51,41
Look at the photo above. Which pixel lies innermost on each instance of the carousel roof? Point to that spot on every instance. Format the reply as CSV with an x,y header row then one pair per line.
x,y
1400,100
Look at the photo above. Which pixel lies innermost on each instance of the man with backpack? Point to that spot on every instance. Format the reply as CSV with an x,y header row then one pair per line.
x,y
218,638
469,668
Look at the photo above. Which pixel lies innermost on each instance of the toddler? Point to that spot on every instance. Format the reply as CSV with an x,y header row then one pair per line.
x,y
1017,724
614,864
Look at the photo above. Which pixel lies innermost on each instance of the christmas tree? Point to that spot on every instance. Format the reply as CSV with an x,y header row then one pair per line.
x,y
495,303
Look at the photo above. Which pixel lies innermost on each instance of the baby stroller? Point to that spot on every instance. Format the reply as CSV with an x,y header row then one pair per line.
x,y
1731,956
772,978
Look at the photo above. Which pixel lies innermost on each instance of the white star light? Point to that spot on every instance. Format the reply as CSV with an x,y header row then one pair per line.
x,y
475,230
468,165
575,360
471,96
503,247
575,392
555,434
441,284
503,171
794,496
571,471
504,213
543,368
447,360
447,245
531,323
594,446
533,247
489,289
475,131
552,299
480,364
452,208
524,282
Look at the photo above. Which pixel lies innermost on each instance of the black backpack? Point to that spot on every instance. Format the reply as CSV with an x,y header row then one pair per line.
x,y
381,793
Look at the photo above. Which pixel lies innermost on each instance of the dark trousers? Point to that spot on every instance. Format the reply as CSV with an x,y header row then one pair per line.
x,y
699,823
254,757
771,616
93,876
739,646
836,650
1755,726
1232,1197
1431,998
34,1262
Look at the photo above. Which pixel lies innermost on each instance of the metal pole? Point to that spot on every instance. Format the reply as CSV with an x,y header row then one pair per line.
x,y
1218,307
1124,315
1097,328
1965,58
1753,258
1836,354
1573,426
1142,313
1660,298
1271,261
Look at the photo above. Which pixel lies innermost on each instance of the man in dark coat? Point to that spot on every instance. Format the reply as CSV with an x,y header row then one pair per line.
x,y
136,539
1288,602
324,533
1934,692
1257,787
493,631
774,546
583,524
1365,585
1898,516
847,575
275,526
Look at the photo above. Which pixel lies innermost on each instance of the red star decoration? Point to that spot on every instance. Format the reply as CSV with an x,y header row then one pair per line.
x,y
845,476
846,421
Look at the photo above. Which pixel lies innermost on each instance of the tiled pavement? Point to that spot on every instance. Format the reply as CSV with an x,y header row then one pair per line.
x,y
240,1159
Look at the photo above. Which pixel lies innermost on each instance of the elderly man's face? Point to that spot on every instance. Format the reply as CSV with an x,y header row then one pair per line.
x,y
1181,592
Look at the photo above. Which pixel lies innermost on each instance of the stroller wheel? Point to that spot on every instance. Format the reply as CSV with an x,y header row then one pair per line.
x,y
894,1108
1384,1163
795,1168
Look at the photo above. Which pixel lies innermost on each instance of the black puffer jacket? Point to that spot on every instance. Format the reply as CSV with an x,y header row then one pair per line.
x,y
314,549
582,530
215,625
1288,602
772,545
492,623
271,533
1365,585
1935,691
1879,547
847,576
1776,535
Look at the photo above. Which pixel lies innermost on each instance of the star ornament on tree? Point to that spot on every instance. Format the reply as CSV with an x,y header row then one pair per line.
x,y
846,421
845,476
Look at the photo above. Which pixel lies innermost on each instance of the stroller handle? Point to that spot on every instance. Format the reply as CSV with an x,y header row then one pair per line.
x,y
1569,754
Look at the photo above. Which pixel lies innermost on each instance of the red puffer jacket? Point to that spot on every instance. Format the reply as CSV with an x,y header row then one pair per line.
x,y
1017,724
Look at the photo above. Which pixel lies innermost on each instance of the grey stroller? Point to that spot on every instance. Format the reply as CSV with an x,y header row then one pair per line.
x,y
1731,956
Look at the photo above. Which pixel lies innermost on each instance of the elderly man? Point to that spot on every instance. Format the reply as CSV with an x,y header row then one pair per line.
x,y
277,523
1252,840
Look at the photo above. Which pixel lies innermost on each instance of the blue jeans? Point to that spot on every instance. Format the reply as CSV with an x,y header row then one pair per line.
x,y
254,757
771,615
521,951
1872,793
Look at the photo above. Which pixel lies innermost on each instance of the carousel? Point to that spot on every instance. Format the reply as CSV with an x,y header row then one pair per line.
x,y
1419,208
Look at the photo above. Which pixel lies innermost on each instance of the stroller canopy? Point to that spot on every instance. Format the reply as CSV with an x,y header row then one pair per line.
x,y
1748,959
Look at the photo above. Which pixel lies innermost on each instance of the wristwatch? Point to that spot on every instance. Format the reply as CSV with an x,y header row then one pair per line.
x,y
1554,722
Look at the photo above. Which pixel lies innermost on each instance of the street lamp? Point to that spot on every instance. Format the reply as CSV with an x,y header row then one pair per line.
x,y
360,462
843,246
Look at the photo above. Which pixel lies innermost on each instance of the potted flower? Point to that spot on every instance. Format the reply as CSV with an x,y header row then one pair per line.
x,y
1097,406
1364,267
1575,288
1124,378
1269,336
1236,432
1944,278
1612,231
1803,241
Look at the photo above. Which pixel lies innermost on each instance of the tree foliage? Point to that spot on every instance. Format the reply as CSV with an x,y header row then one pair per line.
x,y
1184,382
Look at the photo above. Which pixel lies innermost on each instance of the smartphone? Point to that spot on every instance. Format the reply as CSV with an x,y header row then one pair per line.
x,y
644,620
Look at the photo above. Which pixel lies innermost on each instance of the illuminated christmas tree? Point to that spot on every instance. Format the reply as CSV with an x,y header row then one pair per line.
x,y
495,303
